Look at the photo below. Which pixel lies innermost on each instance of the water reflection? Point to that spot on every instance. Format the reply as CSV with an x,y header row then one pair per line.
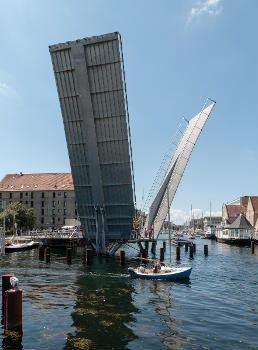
x,y
103,310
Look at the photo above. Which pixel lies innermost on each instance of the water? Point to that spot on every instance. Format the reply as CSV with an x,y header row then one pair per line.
x,y
101,307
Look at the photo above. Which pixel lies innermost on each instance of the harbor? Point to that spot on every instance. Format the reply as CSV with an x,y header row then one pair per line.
x,y
128,182
99,306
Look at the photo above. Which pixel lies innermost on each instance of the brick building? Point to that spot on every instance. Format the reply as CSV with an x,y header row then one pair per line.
x,y
51,195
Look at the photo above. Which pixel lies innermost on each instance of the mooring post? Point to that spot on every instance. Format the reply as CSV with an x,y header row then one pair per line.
x,y
252,247
147,246
153,247
161,254
186,247
144,254
191,252
178,252
41,252
205,249
89,255
13,310
194,247
122,257
47,254
69,255
5,286
164,246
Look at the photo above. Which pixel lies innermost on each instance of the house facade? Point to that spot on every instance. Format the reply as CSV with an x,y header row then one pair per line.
x,y
51,195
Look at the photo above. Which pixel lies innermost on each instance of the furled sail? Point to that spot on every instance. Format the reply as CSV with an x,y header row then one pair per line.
x,y
159,207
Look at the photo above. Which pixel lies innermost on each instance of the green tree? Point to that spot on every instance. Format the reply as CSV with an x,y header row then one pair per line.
x,y
17,212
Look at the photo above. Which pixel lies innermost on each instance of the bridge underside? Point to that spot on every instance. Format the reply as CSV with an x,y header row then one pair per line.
x,y
90,81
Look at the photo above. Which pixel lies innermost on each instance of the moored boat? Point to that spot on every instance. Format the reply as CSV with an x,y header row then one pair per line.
x,y
181,242
15,247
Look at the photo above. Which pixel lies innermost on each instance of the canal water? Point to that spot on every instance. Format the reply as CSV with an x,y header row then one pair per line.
x,y
100,307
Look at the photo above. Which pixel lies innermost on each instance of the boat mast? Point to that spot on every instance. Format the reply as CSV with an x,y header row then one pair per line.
x,y
169,233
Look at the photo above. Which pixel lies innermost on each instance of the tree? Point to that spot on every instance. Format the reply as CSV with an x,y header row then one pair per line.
x,y
17,212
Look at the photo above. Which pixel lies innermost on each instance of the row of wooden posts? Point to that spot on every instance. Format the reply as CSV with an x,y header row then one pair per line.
x,y
45,254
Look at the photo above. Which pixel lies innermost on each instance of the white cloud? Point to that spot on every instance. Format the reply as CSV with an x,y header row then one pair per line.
x,y
209,7
180,217
7,91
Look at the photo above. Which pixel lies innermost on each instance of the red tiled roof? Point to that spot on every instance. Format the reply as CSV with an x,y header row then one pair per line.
x,y
235,210
254,201
37,182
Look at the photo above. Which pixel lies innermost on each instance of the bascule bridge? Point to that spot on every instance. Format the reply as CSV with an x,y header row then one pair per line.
x,y
90,79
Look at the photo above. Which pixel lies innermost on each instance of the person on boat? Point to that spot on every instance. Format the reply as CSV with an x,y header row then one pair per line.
x,y
145,233
142,268
157,267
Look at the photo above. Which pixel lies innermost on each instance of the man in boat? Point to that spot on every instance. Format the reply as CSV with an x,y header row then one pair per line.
x,y
157,267
142,268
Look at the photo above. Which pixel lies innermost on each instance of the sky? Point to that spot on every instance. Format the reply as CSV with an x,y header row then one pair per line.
x,y
177,53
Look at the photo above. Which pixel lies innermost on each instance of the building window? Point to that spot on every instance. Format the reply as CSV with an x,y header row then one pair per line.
x,y
53,211
10,195
53,204
54,195
64,211
42,195
0,195
26,194
31,204
10,202
64,203
42,212
21,202
59,210
31,195
42,203
58,219
26,202
75,212
59,194
21,195
58,202
53,220
65,194
42,220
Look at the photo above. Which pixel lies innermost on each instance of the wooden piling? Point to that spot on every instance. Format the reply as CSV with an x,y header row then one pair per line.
x,y
178,252
144,254
122,257
89,254
191,251
47,256
5,286
186,247
161,254
153,247
164,246
13,310
41,252
252,247
194,247
205,249
69,255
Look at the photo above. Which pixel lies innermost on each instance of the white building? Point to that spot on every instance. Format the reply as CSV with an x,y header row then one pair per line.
x,y
239,231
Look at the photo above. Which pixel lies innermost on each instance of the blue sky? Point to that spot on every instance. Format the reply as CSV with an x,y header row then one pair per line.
x,y
177,53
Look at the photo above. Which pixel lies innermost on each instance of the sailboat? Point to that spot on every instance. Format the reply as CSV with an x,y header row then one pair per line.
x,y
161,270
12,245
